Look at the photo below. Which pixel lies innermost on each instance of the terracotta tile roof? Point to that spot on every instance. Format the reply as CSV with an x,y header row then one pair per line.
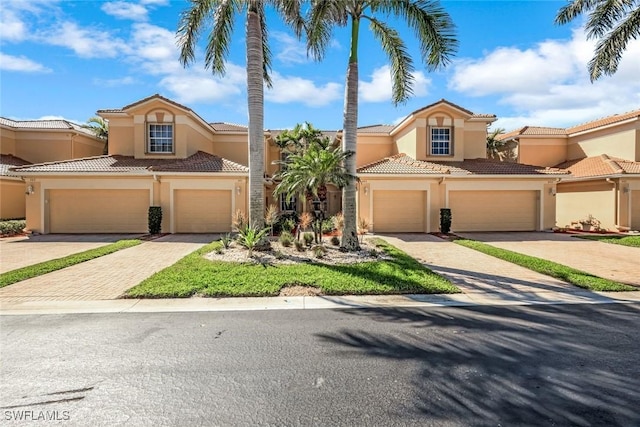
x,y
444,101
44,124
403,164
532,130
228,127
199,162
8,161
604,121
601,165
376,129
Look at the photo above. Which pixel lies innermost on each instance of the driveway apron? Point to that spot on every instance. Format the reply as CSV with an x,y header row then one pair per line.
x,y
476,273
107,277
610,261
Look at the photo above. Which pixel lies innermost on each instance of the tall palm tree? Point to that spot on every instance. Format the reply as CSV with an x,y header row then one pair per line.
x,y
223,14
432,27
313,163
100,128
612,23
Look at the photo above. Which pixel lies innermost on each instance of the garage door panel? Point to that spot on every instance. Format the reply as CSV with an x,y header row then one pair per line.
x,y
399,211
98,211
493,210
202,211
635,210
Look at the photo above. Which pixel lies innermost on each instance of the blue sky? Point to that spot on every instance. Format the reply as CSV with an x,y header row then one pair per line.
x,y
67,59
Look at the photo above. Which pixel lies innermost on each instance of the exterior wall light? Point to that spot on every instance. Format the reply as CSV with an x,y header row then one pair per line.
x,y
30,190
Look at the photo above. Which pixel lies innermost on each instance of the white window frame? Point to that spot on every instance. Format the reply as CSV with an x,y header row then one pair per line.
x,y
155,143
439,144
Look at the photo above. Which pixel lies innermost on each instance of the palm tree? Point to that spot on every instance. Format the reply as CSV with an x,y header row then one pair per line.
x,y
612,23
313,163
100,128
432,27
223,13
495,146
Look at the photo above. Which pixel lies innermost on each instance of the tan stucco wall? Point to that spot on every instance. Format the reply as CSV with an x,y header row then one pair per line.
x,y
374,148
542,151
49,146
577,200
620,141
475,140
121,136
12,199
408,141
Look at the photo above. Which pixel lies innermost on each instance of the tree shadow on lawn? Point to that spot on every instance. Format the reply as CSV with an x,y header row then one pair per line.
x,y
538,365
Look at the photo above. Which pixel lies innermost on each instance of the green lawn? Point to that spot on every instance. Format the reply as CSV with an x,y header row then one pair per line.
x,y
618,240
194,274
559,271
35,270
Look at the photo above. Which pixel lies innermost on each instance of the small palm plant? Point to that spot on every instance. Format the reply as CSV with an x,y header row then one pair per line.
x,y
251,236
363,228
271,217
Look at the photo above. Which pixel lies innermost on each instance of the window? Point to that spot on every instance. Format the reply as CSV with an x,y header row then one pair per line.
x,y
284,155
284,206
440,141
160,138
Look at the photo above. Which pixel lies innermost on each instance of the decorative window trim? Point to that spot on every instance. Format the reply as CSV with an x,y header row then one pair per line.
x,y
432,143
164,137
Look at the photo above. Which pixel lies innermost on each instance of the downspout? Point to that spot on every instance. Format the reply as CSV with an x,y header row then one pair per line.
x,y
72,146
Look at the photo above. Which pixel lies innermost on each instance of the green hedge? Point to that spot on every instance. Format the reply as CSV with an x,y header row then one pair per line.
x,y
12,227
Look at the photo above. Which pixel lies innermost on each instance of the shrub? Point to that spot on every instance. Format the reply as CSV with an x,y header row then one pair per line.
x,y
363,228
278,254
327,226
374,253
299,245
286,239
445,220
219,250
155,219
335,241
338,221
226,240
319,251
250,237
239,221
286,222
12,227
271,217
308,238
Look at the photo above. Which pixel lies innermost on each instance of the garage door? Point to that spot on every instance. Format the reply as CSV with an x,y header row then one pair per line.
x,y
98,211
202,211
493,210
635,210
398,211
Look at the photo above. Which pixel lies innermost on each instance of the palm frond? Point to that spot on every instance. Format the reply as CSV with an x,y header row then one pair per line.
x,y
266,51
574,9
324,14
219,41
401,62
191,21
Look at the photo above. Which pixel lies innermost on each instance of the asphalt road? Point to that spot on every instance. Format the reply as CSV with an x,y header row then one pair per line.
x,y
481,366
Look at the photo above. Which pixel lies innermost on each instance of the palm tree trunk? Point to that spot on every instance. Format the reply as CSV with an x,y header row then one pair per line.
x,y
349,139
255,96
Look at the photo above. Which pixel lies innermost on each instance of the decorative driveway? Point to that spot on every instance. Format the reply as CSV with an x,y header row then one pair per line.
x,y
610,261
18,252
109,276
480,274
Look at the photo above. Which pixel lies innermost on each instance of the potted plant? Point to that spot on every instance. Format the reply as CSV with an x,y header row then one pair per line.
x,y
589,223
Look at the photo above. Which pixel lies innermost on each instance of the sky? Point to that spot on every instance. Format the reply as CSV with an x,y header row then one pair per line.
x,y
68,59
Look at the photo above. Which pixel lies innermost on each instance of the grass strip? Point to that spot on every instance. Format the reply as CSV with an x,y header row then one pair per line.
x,y
194,274
45,267
550,268
633,241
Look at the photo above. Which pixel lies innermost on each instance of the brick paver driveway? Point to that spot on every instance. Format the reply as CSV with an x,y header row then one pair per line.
x,y
109,276
615,262
476,273
18,252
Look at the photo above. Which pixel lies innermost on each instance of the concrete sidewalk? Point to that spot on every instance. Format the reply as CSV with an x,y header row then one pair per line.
x,y
307,303
106,277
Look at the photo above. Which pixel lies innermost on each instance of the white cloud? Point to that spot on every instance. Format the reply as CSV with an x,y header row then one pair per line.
x,y
12,28
548,84
288,89
125,10
155,2
21,63
115,82
86,43
290,49
378,89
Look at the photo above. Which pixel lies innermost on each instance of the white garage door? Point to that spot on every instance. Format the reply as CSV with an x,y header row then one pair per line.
x,y
493,210
98,211
399,211
202,211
